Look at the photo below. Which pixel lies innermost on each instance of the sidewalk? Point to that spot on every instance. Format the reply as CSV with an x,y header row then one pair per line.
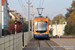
x,y
68,44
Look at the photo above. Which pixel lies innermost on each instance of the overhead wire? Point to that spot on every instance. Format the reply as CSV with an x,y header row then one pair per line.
x,y
27,2
22,8
22,2
34,3
42,3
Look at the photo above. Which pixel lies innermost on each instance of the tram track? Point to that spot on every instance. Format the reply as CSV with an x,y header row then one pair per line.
x,y
36,44
49,45
45,46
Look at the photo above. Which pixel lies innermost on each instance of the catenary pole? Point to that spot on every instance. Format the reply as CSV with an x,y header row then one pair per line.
x,y
32,20
0,18
29,16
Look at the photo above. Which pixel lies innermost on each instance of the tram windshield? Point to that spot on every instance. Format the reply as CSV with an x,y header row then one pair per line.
x,y
41,26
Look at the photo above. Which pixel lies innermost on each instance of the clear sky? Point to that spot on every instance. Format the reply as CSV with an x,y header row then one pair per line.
x,y
51,7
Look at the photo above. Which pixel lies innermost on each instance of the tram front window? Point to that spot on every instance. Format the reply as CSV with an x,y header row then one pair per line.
x,y
40,26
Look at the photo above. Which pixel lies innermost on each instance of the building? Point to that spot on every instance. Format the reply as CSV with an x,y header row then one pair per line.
x,y
5,14
15,16
12,14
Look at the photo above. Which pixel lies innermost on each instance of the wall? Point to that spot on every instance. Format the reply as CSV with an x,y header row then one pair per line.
x,y
27,37
58,30
14,42
11,42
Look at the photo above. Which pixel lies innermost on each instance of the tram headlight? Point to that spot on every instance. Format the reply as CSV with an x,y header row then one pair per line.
x,y
46,33
35,33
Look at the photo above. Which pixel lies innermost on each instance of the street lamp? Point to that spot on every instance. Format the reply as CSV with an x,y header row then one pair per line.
x,y
56,27
32,19
60,12
21,19
15,25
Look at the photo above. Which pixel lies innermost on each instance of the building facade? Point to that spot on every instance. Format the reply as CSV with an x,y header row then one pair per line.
x,y
5,15
12,14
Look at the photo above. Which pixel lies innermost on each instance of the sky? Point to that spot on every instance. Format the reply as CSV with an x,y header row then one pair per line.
x,y
51,7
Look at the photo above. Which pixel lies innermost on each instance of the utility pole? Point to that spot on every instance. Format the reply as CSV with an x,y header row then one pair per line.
x,y
29,16
0,18
56,28
15,26
32,19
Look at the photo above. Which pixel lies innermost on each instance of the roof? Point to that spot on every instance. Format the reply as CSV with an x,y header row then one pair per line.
x,y
11,10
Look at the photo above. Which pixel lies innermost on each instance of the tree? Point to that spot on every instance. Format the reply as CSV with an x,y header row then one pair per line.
x,y
70,27
67,15
24,19
71,11
25,26
10,21
72,15
62,20
56,18
11,28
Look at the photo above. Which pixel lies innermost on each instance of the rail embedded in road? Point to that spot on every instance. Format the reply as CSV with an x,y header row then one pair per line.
x,y
36,44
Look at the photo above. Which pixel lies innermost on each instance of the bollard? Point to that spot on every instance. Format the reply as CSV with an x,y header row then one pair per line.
x,y
59,35
25,44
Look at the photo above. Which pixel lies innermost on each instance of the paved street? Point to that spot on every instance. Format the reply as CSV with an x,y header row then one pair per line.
x,y
69,44
42,45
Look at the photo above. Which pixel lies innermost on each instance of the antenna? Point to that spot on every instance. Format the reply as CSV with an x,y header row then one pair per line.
x,y
40,12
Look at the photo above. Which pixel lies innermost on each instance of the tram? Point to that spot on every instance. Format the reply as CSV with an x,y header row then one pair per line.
x,y
41,27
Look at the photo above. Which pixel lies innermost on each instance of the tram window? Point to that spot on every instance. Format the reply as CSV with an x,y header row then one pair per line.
x,y
40,26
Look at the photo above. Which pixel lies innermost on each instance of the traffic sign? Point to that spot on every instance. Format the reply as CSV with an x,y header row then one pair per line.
x,y
55,22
